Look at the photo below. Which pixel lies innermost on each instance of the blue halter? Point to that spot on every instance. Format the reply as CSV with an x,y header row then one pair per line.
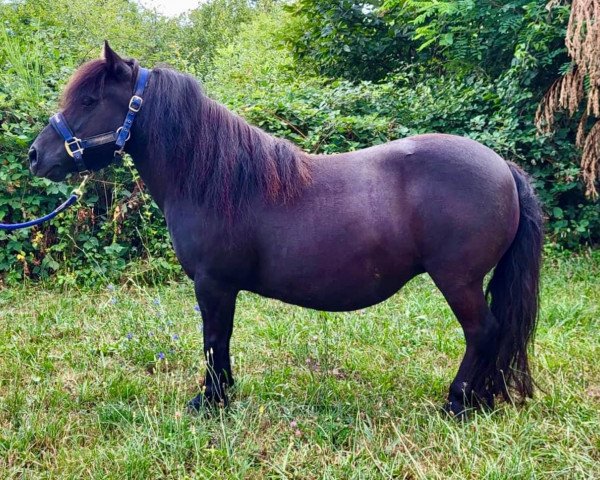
x,y
76,146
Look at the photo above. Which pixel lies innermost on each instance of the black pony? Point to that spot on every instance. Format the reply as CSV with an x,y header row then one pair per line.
x,y
247,211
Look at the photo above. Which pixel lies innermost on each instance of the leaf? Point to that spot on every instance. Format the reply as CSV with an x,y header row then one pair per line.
x,y
447,39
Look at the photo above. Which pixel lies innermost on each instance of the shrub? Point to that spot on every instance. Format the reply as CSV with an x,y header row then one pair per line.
x,y
117,232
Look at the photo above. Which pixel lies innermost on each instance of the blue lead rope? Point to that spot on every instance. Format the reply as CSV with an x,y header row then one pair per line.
x,y
77,193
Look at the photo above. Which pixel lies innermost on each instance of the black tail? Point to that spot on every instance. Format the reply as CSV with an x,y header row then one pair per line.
x,y
514,292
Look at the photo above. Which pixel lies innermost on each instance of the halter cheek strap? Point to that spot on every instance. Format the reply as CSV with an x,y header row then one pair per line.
x,y
76,146
135,104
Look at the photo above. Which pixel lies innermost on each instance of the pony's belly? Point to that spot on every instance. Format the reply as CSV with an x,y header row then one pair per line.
x,y
336,303
336,293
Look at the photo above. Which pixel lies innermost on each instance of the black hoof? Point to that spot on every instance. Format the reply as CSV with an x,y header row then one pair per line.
x,y
203,403
485,401
457,410
462,401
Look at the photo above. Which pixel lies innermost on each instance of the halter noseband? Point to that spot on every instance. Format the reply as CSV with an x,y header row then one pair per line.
x,y
75,146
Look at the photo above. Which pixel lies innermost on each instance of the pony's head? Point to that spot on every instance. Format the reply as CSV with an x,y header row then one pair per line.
x,y
192,143
95,101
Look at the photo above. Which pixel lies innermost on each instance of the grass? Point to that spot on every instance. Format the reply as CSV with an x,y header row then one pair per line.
x,y
83,393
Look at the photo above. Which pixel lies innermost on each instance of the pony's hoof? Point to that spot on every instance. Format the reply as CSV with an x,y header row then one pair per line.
x,y
486,401
457,410
202,403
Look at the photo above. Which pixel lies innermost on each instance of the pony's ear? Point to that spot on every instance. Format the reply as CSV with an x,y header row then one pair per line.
x,y
114,64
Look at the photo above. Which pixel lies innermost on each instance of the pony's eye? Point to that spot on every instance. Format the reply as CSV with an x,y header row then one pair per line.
x,y
88,101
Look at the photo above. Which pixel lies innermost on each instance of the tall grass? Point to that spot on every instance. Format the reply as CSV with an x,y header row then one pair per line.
x,y
85,393
22,57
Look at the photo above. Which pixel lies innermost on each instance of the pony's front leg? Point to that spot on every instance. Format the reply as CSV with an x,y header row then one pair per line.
x,y
217,305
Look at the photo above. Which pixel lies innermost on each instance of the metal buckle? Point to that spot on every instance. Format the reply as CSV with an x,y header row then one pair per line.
x,y
128,133
135,103
79,190
77,142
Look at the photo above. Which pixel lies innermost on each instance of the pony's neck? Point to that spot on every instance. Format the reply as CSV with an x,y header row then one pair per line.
x,y
159,190
192,148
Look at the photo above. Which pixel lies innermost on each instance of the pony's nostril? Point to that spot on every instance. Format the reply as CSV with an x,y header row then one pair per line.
x,y
32,156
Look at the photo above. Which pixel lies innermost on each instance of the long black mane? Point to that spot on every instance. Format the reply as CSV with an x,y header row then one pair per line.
x,y
213,155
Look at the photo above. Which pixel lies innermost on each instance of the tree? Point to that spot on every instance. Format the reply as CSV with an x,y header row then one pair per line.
x,y
581,82
350,39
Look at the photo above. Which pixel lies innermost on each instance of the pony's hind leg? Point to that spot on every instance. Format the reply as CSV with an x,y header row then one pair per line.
x,y
473,384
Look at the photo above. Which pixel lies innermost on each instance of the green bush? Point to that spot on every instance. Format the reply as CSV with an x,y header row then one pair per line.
x,y
247,57
490,96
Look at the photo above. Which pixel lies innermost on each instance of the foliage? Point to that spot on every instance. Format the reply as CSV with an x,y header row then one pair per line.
x,y
485,35
367,40
331,76
326,116
255,60
350,39
487,66
213,26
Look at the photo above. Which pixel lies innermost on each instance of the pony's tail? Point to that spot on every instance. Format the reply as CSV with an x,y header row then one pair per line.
x,y
514,292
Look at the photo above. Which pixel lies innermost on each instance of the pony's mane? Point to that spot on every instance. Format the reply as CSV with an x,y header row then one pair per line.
x,y
212,155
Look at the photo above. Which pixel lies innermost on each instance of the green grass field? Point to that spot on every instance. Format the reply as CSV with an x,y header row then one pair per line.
x,y
83,393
